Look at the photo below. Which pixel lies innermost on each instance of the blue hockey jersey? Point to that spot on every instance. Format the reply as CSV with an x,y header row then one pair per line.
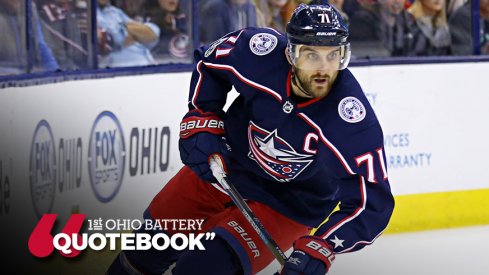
x,y
301,159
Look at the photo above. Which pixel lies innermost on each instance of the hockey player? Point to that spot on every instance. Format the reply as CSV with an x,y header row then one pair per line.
x,y
300,139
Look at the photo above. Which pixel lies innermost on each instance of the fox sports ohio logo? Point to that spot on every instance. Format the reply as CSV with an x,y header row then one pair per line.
x,y
42,168
106,156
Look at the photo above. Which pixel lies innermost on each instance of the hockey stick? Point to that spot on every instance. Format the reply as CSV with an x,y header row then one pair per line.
x,y
220,175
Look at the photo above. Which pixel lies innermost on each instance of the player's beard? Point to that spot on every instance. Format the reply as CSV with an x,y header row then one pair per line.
x,y
309,86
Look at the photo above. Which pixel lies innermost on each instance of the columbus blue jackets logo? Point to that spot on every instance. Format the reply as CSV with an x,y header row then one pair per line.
x,y
274,155
351,109
179,45
263,43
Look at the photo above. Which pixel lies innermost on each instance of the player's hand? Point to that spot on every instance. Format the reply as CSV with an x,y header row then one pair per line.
x,y
311,255
202,135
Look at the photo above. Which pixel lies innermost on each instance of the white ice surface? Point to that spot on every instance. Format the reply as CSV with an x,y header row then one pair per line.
x,y
461,251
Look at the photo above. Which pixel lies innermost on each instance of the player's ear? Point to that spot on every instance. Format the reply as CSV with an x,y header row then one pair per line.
x,y
287,55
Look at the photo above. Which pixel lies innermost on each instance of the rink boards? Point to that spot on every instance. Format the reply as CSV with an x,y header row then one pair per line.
x,y
105,147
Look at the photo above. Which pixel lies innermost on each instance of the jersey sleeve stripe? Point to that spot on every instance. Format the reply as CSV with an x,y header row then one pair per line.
x,y
244,79
359,242
233,39
355,214
223,52
197,87
327,143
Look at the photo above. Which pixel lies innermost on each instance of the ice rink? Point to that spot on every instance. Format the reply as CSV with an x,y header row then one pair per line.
x,y
461,251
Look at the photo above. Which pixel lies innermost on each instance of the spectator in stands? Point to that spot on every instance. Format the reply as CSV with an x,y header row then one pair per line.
x,y
338,4
431,34
381,29
122,40
289,8
461,29
453,5
82,15
270,13
220,17
352,6
172,19
13,50
133,8
65,28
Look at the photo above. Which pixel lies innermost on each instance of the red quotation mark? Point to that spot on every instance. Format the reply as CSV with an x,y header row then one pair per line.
x,y
41,240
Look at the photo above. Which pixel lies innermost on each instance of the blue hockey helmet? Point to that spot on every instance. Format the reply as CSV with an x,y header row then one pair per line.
x,y
318,25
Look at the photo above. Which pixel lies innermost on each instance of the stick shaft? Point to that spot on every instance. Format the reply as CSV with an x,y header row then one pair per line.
x,y
238,200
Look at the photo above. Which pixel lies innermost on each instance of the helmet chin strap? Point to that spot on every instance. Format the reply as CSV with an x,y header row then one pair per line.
x,y
297,85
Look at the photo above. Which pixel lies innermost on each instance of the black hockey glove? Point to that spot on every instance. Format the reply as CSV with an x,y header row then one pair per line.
x,y
311,255
202,135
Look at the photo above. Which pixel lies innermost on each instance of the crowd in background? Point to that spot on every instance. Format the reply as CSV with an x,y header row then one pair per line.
x,y
150,32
